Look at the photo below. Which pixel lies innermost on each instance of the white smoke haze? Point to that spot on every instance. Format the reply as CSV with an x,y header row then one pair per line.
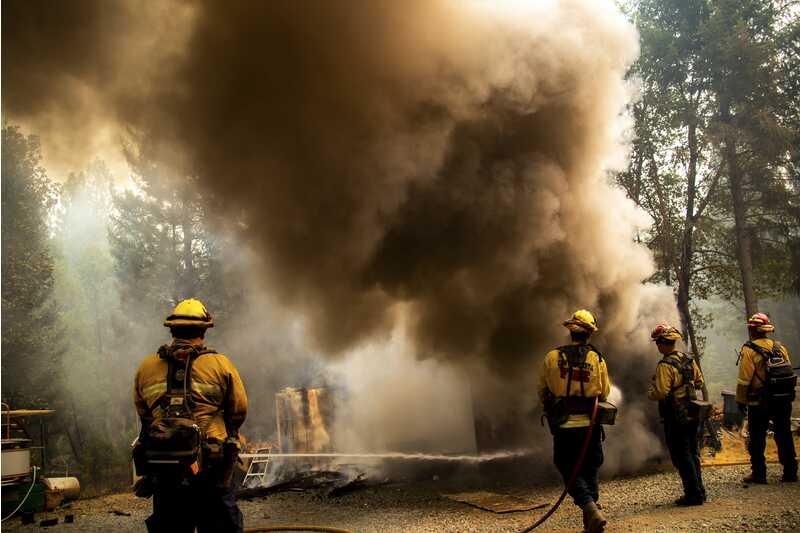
x,y
395,402
424,184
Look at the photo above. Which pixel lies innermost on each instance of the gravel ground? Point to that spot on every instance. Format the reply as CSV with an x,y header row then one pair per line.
x,y
642,503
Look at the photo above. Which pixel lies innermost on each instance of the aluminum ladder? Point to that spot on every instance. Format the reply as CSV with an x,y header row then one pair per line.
x,y
258,466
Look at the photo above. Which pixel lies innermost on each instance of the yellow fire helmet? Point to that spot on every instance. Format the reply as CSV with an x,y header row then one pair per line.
x,y
582,321
190,312
666,332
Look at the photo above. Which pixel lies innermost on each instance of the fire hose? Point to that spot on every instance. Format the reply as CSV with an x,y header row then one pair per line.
x,y
323,529
575,470
27,494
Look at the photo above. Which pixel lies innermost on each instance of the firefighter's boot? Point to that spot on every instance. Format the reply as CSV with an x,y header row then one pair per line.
x,y
687,501
755,479
593,519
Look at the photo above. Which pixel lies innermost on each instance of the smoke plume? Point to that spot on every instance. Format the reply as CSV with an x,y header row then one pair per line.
x,y
437,162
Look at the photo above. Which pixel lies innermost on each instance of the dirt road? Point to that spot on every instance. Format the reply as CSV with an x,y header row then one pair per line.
x,y
643,503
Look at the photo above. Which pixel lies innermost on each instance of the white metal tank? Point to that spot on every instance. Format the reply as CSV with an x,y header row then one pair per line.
x,y
16,459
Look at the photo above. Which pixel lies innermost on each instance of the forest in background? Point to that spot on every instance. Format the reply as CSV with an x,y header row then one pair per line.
x,y
89,269
714,162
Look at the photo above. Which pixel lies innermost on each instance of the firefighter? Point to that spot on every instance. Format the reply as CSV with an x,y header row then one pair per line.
x,y
763,405
675,383
191,402
572,378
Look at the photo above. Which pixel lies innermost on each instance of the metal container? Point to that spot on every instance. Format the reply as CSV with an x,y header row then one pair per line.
x,y
731,415
70,487
16,458
606,413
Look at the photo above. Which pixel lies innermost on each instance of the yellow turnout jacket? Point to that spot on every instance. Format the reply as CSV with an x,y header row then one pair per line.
x,y
590,380
752,371
216,389
668,379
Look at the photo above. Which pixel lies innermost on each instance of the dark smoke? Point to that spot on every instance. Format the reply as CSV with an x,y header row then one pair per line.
x,y
447,156
417,152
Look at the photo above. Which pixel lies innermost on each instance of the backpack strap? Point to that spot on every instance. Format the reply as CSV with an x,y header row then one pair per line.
x,y
756,348
683,363
179,378
776,350
569,375
574,356
595,350
575,353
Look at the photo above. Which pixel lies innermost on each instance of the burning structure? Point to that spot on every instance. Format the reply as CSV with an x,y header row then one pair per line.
x,y
303,420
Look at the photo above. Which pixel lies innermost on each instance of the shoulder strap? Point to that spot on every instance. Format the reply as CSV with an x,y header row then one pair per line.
x,y
682,365
756,348
179,378
567,356
760,351
687,367
575,354
777,349
171,377
775,352
669,360
595,350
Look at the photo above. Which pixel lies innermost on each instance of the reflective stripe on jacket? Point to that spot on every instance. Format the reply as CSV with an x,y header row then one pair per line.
x,y
752,371
589,381
216,389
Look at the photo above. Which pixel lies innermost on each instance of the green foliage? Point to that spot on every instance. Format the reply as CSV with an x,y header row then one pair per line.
x,y
101,424
164,250
746,52
701,59
30,352
89,272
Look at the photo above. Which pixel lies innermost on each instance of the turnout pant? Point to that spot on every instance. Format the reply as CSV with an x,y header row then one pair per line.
x,y
182,504
758,418
567,444
685,454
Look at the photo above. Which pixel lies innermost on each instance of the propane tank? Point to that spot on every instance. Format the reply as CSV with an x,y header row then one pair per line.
x,y
70,487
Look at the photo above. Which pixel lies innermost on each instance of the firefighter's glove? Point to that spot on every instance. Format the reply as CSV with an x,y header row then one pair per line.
x,y
144,487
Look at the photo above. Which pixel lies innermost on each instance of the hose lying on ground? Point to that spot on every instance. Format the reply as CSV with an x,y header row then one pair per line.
x,y
33,482
323,529
575,470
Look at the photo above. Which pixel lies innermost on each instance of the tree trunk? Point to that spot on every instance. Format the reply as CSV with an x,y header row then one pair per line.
x,y
77,444
667,245
743,245
687,246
